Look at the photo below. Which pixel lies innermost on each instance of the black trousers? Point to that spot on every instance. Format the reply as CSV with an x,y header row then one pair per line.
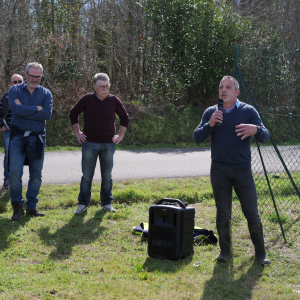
x,y
223,179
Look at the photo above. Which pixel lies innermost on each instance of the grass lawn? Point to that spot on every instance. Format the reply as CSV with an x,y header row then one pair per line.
x,y
97,256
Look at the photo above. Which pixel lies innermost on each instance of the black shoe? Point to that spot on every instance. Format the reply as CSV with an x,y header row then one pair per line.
x,y
34,212
5,184
18,212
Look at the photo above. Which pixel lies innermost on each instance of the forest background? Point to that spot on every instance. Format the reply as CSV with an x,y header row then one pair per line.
x,y
165,58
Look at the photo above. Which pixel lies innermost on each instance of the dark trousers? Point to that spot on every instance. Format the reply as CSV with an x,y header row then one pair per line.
x,y
223,179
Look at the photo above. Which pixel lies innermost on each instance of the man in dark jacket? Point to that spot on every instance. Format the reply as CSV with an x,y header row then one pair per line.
x,y
98,138
231,163
5,119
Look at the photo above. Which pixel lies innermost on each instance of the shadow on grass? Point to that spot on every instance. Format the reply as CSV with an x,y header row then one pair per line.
x,y
75,232
223,285
7,230
291,232
164,265
4,200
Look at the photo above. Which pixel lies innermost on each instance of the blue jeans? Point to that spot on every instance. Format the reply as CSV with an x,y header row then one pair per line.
x,y
223,179
16,161
90,154
6,137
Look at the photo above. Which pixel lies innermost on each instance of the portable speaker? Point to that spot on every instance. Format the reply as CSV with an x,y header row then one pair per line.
x,y
171,229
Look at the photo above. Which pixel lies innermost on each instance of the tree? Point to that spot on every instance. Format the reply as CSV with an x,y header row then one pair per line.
x,y
195,47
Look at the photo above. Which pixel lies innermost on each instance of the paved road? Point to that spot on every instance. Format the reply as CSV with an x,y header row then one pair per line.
x,y
65,167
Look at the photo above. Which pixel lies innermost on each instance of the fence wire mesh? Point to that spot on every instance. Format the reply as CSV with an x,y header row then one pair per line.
x,y
269,80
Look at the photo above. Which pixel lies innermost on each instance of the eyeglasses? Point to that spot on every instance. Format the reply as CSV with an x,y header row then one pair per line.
x,y
102,87
17,81
34,77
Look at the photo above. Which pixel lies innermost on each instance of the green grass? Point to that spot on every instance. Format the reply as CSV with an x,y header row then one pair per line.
x,y
96,255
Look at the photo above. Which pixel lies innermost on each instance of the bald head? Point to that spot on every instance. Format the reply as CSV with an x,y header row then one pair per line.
x,y
16,79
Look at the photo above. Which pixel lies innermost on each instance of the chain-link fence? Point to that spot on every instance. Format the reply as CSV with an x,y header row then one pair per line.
x,y
269,80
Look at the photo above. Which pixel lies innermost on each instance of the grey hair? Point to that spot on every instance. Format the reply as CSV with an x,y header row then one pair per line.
x,y
34,65
16,75
235,82
101,77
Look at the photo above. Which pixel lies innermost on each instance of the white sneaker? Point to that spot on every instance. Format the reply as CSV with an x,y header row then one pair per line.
x,y
80,209
108,208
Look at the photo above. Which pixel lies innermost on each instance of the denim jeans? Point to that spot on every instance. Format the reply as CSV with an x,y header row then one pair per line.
x,y
6,137
223,179
16,161
90,154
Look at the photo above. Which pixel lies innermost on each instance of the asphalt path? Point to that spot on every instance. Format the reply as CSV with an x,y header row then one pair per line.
x,y
64,167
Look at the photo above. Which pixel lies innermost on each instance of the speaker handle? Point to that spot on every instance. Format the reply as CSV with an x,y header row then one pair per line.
x,y
182,204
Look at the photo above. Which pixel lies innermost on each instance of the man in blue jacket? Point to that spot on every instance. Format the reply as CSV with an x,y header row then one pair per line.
x,y
5,119
231,163
31,106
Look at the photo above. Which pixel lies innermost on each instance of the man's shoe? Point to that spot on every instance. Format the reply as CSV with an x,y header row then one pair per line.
x,y
18,212
34,212
108,208
80,209
5,184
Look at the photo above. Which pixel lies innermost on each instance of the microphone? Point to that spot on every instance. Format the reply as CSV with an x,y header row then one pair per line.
x,y
220,107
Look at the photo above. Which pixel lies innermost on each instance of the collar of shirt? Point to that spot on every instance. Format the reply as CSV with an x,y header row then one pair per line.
x,y
237,105
24,86
98,97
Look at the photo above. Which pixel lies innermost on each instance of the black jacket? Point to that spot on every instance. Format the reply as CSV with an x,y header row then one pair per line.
x,y
5,112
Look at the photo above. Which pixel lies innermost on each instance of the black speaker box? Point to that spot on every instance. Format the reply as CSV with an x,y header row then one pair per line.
x,y
171,229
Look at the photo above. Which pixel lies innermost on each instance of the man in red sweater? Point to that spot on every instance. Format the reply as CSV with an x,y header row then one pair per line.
x,y
98,139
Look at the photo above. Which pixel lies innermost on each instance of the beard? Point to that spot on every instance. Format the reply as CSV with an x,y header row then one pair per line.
x,y
33,85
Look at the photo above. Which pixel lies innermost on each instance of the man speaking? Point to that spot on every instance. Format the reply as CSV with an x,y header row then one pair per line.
x,y
231,163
